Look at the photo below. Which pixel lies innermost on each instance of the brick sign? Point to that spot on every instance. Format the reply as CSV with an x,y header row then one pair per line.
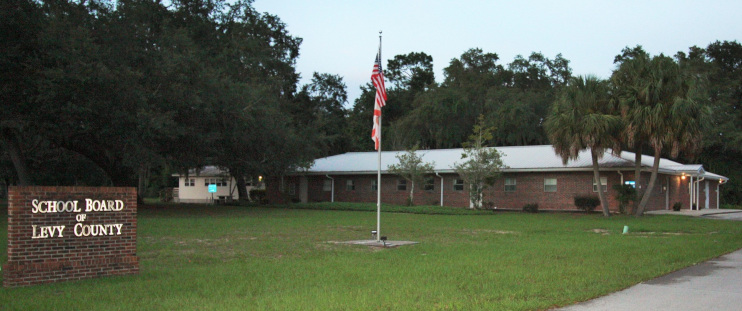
x,y
70,233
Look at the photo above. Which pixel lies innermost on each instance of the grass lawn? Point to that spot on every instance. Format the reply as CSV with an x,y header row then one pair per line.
x,y
250,258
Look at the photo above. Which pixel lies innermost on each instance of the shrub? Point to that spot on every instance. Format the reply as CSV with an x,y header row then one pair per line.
x,y
677,206
624,195
258,195
166,195
587,204
530,208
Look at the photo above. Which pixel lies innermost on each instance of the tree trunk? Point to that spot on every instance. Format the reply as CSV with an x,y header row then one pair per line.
x,y
142,184
601,194
472,202
637,177
13,146
239,177
412,191
652,180
242,188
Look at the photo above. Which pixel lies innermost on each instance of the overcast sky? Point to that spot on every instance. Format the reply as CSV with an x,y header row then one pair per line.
x,y
342,36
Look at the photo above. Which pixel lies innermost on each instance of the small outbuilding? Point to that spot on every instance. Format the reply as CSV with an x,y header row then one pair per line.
x,y
532,174
194,186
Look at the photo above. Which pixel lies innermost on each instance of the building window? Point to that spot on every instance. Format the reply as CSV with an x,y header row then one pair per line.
x,y
550,185
219,182
458,185
327,185
375,185
292,189
603,183
349,185
509,184
190,182
429,184
402,184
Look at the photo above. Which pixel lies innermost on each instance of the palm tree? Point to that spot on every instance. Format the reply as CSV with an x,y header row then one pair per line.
x,y
583,117
659,108
629,80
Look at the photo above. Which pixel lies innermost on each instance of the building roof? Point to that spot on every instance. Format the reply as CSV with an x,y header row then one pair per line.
x,y
516,159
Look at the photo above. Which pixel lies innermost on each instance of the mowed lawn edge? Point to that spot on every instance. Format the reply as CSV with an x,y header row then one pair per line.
x,y
196,257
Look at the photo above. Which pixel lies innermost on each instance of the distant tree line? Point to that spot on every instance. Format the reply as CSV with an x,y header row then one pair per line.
x,y
127,92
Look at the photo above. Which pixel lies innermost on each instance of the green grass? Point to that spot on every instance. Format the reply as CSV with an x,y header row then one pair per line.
x,y
248,258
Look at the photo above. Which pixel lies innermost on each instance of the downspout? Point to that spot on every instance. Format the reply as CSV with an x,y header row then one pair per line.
x,y
441,177
619,173
697,188
332,188
690,192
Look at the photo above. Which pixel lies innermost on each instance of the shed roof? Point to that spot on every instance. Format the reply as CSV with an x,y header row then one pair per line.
x,y
516,159
206,171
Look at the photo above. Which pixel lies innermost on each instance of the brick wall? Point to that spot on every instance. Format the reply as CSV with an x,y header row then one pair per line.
x,y
91,244
529,188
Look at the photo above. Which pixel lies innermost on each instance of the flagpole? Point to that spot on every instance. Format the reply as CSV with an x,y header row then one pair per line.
x,y
378,176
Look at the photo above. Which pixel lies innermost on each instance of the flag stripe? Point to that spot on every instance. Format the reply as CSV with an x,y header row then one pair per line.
x,y
377,78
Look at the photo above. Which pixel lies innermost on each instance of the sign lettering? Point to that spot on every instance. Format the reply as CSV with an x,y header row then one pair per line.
x,y
80,229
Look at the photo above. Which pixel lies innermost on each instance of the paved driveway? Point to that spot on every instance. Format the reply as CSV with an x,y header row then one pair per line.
x,y
712,285
728,216
733,214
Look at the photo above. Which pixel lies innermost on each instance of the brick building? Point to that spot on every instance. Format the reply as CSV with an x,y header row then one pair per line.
x,y
533,174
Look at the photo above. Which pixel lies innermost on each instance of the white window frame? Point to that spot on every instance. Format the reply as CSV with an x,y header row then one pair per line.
x,y
327,185
220,182
401,184
552,187
190,182
429,184
510,185
350,185
375,185
603,183
458,184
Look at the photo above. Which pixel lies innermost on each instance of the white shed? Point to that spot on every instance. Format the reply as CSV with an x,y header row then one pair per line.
x,y
194,187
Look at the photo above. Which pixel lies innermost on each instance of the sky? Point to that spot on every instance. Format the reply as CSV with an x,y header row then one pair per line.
x,y
342,36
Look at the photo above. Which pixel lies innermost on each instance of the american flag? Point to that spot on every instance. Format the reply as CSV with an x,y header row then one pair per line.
x,y
377,78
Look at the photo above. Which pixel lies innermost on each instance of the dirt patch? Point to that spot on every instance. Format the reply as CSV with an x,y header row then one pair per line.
x,y
600,231
659,233
486,231
349,228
